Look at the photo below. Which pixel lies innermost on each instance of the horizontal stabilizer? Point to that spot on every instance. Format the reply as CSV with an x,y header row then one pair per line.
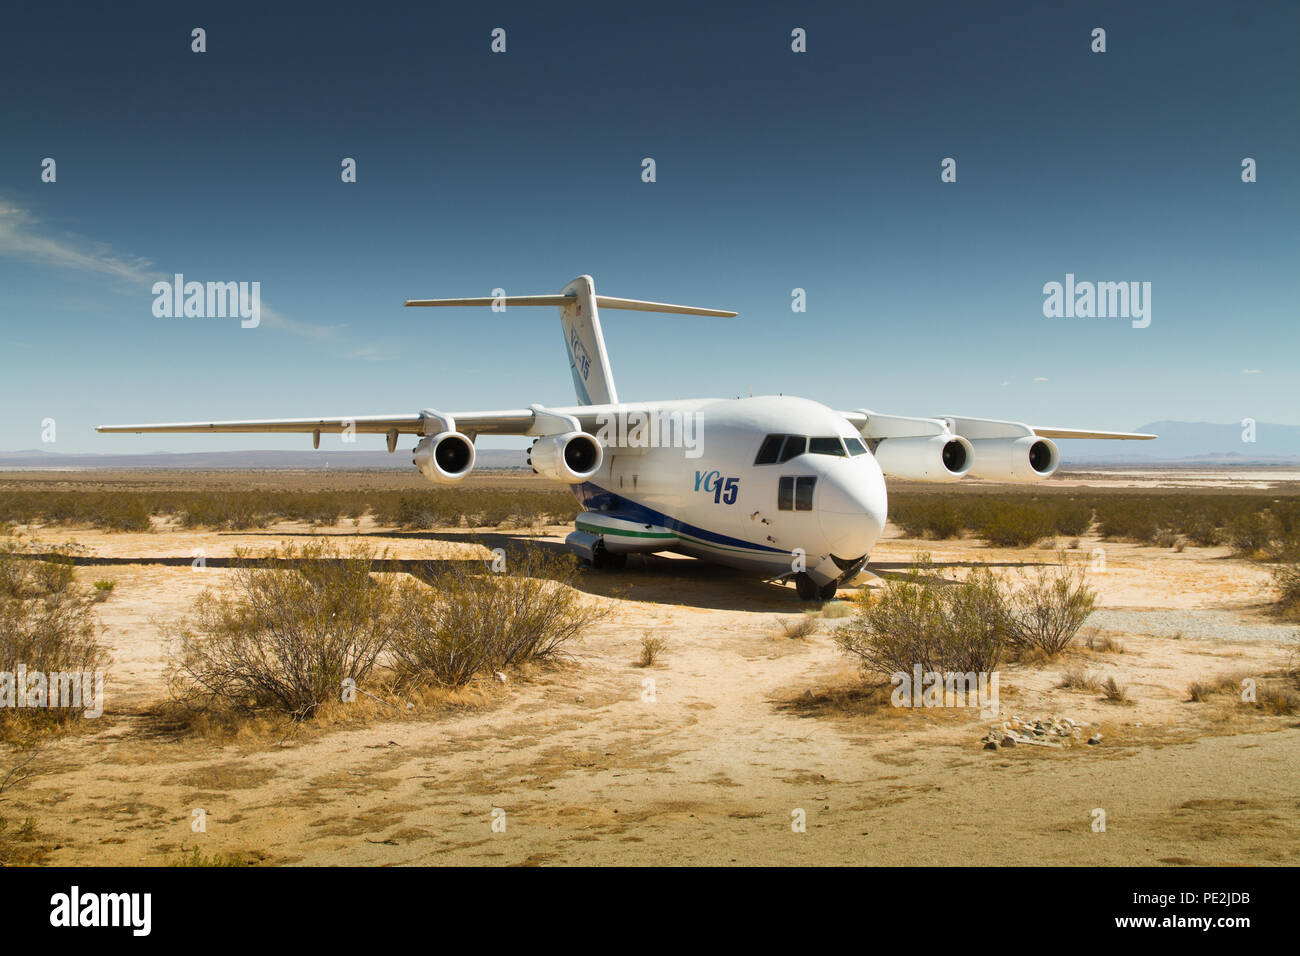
x,y
603,301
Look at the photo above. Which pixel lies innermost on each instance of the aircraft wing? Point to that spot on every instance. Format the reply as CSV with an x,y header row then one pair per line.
x,y
516,422
873,426
532,421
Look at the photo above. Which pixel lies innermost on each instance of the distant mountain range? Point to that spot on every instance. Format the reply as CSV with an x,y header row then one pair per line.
x,y
1182,442
1195,442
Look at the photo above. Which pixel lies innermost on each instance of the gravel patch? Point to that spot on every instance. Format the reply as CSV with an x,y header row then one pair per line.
x,y
1200,624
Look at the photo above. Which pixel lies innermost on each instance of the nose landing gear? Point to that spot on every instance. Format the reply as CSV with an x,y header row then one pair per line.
x,y
809,590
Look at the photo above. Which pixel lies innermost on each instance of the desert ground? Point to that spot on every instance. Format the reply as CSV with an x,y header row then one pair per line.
x,y
707,756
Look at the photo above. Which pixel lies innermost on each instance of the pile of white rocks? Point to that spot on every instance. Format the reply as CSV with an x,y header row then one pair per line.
x,y
1045,732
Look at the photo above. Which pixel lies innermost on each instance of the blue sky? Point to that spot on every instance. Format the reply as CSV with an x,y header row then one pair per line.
x,y
775,170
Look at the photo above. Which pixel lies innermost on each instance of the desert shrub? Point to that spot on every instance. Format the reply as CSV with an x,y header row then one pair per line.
x,y
291,634
47,627
227,511
1071,518
476,620
1199,692
1251,533
1287,579
926,517
919,620
1047,611
1203,532
1014,525
18,843
196,857
652,648
1126,518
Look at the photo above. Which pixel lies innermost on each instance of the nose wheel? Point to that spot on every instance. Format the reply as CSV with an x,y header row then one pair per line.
x,y
809,590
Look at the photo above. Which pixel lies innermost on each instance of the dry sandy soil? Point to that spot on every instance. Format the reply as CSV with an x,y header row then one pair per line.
x,y
744,728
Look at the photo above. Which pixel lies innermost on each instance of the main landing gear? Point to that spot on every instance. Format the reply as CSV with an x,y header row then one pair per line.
x,y
603,560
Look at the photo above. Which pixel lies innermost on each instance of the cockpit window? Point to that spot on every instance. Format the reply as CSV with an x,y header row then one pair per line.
x,y
855,445
770,450
826,446
794,446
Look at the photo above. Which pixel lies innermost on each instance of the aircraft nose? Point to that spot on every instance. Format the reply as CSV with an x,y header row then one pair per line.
x,y
852,505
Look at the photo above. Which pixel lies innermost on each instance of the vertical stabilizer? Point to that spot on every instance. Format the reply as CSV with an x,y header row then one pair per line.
x,y
588,361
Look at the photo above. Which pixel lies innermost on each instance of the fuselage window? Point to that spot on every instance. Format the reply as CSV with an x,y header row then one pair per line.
x,y
826,446
794,446
795,494
855,446
803,493
770,450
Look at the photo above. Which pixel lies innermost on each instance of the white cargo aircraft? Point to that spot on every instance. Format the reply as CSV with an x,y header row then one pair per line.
x,y
779,485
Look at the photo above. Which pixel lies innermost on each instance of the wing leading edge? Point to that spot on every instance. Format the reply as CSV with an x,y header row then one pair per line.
x,y
873,426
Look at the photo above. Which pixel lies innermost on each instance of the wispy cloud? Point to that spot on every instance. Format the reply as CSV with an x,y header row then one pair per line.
x,y
22,237
1250,371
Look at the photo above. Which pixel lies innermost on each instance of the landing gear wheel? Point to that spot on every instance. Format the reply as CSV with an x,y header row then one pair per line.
x,y
806,587
827,591
602,560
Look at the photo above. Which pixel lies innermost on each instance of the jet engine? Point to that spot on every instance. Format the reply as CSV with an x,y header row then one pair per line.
x,y
571,457
1024,460
931,458
445,457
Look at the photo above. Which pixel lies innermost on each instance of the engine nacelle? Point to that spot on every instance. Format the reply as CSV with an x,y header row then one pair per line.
x,y
571,457
445,457
932,458
1024,460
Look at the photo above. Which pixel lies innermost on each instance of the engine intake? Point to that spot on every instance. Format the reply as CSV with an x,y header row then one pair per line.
x,y
1023,460
571,457
444,458
933,458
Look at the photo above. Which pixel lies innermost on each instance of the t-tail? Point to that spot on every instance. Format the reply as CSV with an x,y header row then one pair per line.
x,y
579,305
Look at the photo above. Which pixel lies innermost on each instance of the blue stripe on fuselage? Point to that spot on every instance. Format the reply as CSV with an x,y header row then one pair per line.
x,y
595,498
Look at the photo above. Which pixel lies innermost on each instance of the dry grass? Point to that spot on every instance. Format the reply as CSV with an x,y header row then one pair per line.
x,y
1076,678
652,648
797,628
1104,644
833,610
1114,691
